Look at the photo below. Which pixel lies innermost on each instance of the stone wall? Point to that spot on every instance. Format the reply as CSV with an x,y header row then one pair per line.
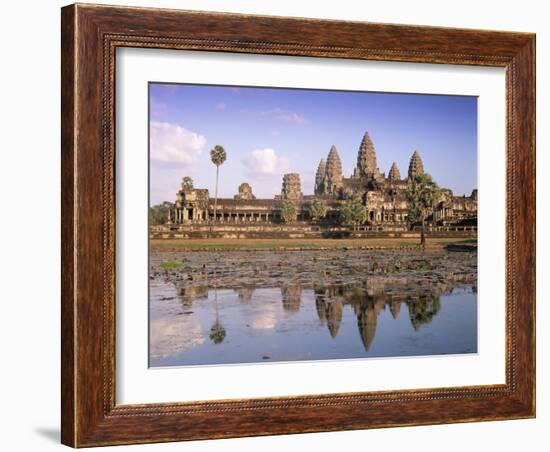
x,y
301,230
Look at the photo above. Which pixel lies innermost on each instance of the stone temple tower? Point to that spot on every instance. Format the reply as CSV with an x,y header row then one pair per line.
x,y
416,167
394,173
366,158
320,177
245,192
291,187
333,172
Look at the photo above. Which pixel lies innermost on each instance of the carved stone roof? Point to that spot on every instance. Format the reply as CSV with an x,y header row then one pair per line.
x,y
333,170
245,192
367,322
291,187
416,167
394,173
366,157
334,164
320,176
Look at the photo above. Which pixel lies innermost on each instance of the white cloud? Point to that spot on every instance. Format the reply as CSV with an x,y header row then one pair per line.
x,y
174,334
174,144
221,106
265,162
285,115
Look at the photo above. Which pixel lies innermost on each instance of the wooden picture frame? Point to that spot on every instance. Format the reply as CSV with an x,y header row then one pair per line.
x,y
90,36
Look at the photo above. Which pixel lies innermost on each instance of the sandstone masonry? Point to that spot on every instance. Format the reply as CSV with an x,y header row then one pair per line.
x,y
384,197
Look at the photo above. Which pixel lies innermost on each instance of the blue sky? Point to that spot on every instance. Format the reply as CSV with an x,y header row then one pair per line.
x,y
270,131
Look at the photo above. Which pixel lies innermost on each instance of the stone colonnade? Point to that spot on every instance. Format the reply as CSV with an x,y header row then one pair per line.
x,y
387,216
444,213
179,215
184,214
242,216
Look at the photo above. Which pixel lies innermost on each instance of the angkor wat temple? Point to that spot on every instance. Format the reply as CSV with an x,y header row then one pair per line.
x,y
384,196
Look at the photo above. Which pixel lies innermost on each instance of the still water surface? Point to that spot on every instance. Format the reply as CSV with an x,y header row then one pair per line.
x,y
248,325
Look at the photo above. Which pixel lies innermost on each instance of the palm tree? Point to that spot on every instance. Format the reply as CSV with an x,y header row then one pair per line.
x,y
217,331
218,156
422,194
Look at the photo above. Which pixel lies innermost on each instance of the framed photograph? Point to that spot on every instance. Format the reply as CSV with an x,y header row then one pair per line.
x,y
282,225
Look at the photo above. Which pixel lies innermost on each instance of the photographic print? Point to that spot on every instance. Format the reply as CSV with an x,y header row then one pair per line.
x,y
259,206
294,224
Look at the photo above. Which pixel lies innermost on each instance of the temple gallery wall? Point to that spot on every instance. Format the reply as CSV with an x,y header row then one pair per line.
x,y
384,198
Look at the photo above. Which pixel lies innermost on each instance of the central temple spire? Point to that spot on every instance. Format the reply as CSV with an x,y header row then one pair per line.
x,y
366,158
416,167
333,172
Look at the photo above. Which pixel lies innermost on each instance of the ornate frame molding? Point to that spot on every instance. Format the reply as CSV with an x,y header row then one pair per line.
x,y
90,37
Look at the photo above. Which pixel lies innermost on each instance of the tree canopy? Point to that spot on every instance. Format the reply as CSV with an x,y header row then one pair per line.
x,y
218,155
158,214
422,194
353,212
217,333
423,310
318,209
289,212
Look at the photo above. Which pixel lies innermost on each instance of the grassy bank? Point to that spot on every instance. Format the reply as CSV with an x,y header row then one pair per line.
x,y
266,244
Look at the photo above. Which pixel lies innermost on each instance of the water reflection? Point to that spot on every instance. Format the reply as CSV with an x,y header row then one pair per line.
x,y
250,324
188,293
330,301
217,331
291,297
245,294
423,310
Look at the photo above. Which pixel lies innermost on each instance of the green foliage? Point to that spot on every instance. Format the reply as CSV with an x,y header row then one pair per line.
x,y
422,194
187,183
423,310
217,333
318,209
218,155
159,214
289,212
170,265
353,212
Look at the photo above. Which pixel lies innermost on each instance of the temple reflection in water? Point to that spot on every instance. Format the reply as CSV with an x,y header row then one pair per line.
x,y
366,302
195,324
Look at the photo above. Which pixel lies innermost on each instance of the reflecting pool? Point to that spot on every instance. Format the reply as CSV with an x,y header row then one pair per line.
x,y
206,324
